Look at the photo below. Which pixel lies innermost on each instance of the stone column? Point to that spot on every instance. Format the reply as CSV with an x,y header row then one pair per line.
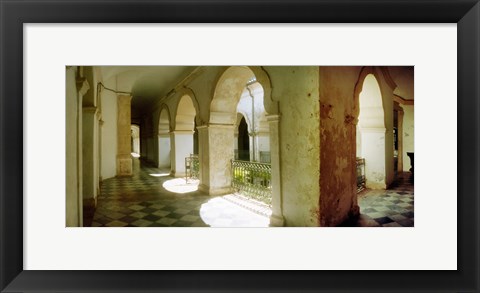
x,y
400,141
124,157
182,147
276,219
215,155
89,142
100,127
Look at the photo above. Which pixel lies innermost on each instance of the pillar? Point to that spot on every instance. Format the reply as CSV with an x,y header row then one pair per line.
x,y
89,142
215,154
182,147
76,88
400,141
276,219
124,157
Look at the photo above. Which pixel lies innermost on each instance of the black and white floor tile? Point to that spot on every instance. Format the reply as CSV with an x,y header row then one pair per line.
x,y
152,198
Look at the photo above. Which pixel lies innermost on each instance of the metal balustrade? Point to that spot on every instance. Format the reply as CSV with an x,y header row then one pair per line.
x,y
192,167
360,174
253,180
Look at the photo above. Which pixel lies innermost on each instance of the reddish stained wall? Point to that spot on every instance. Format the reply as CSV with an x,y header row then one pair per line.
x,y
338,196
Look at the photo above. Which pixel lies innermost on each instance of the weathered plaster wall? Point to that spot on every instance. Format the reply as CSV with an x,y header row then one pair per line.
x,y
338,197
73,215
109,131
408,135
296,90
124,146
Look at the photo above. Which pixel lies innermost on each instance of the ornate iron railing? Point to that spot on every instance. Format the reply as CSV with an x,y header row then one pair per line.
x,y
253,180
192,167
360,174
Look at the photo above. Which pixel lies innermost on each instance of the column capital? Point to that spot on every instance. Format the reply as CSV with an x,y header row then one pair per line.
x,y
217,126
182,132
92,110
275,117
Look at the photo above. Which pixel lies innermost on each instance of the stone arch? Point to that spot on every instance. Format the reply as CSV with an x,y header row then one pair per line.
x,y
164,144
185,91
227,93
240,115
385,83
182,136
271,106
373,102
216,139
229,86
185,114
372,113
242,137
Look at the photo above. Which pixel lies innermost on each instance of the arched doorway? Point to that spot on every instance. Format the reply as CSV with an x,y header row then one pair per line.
x,y
182,137
135,140
164,140
242,151
217,138
371,133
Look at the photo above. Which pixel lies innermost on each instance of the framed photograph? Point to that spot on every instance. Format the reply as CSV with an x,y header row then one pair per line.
x,y
203,123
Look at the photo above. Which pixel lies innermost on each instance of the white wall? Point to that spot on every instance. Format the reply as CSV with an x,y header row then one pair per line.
x,y
182,147
109,132
408,135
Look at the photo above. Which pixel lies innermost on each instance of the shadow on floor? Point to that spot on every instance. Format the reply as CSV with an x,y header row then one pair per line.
x,y
393,207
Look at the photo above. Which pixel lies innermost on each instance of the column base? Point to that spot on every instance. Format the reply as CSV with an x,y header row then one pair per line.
x,y
277,221
215,190
124,165
89,206
376,185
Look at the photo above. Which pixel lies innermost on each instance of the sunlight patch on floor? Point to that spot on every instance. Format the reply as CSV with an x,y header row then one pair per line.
x,y
179,185
219,212
159,174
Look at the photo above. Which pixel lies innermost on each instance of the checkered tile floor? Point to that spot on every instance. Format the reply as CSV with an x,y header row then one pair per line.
x,y
387,208
143,201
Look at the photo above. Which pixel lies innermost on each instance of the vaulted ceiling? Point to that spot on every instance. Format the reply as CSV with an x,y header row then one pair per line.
x,y
146,83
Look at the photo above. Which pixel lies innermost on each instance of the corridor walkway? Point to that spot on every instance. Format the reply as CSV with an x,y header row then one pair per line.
x,y
152,198
393,207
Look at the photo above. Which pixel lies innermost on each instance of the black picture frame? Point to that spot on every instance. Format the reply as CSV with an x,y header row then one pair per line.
x,y
466,13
